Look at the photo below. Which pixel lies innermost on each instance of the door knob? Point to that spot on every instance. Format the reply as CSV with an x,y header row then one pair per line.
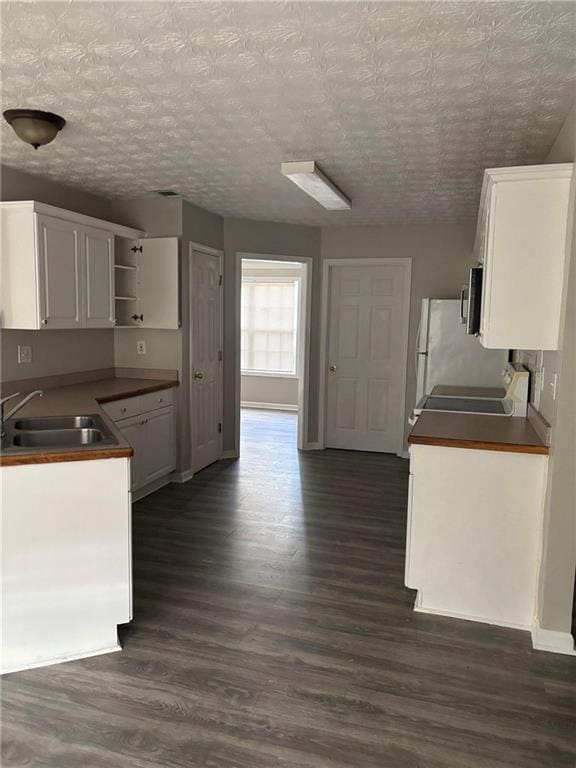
x,y
198,375
332,368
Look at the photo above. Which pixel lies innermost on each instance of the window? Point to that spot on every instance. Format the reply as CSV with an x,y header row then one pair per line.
x,y
269,325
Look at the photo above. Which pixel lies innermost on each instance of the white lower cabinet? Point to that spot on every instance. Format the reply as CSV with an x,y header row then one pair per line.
x,y
474,533
151,431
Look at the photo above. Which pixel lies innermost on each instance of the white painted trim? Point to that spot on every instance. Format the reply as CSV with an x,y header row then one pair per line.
x,y
404,455
193,248
269,374
303,347
327,265
62,659
79,218
419,608
152,487
313,447
230,454
181,477
552,641
270,406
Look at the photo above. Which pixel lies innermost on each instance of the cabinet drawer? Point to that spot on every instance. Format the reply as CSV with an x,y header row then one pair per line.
x,y
123,409
154,400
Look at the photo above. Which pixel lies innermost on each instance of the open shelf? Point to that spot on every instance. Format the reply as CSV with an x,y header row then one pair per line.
x,y
125,298
124,266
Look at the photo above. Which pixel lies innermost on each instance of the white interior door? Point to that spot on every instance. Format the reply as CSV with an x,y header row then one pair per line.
x,y
206,359
367,344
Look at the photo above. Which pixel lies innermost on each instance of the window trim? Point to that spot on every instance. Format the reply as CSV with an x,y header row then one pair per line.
x,y
297,280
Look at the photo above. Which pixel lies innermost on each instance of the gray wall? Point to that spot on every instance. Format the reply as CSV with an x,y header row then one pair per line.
x,y
169,217
441,256
54,352
558,565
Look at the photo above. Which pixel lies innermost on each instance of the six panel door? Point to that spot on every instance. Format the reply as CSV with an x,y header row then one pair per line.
x,y
206,384
367,357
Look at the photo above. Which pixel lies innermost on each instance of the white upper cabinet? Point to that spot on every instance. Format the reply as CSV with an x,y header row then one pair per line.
x,y
57,268
59,272
521,243
98,278
147,283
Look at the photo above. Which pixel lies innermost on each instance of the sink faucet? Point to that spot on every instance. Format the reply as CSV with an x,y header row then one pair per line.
x,y
4,417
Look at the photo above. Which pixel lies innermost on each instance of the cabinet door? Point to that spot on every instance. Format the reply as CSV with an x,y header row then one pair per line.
x,y
157,282
134,431
59,270
159,453
98,278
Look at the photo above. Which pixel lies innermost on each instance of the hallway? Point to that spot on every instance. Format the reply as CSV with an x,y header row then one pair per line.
x,y
272,630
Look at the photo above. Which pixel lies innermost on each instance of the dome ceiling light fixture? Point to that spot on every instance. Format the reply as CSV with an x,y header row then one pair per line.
x,y
34,126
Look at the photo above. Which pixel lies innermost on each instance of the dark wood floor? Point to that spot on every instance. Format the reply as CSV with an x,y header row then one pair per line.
x,y
272,630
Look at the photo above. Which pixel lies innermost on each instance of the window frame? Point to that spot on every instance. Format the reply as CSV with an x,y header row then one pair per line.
x,y
297,281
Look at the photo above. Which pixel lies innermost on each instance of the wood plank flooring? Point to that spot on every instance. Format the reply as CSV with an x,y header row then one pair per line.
x,y
272,630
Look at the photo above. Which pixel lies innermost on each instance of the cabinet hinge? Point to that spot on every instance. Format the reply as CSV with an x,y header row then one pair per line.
x,y
136,249
220,279
220,426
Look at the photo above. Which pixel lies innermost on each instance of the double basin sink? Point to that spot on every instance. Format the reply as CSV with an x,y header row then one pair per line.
x,y
53,432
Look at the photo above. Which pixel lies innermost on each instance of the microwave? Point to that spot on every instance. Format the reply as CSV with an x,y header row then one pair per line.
x,y
474,297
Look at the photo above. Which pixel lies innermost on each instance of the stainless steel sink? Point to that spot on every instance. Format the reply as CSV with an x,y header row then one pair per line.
x,y
57,438
57,422
56,432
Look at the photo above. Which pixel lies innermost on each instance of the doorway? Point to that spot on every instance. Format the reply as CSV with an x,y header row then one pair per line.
x,y
273,322
365,318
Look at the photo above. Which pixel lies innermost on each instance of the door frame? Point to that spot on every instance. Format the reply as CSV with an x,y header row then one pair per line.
x,y
219,254
327,266
304,333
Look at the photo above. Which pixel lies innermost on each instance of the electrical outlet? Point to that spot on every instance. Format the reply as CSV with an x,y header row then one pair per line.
x,y
141,347
24,353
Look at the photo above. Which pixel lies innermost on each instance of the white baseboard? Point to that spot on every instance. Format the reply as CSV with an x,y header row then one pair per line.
x,y
313,447
61,659
552,641
146,490
181,477
404,455
233,454
270,406
420,608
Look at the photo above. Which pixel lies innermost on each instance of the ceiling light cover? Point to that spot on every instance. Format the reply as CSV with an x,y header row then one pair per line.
x,y
306,175
34,126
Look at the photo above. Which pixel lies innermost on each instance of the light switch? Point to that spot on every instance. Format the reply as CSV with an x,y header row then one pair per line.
x,y
141,347
24,353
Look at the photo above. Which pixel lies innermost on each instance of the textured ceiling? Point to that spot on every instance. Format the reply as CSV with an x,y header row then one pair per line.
x,y
402,104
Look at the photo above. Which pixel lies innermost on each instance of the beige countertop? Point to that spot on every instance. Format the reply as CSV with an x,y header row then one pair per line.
x,y
75,400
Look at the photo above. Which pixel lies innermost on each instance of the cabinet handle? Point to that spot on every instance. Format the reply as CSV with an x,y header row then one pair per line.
x,y
44,321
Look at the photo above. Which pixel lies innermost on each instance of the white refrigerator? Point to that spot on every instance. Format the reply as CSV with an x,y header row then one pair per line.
x,y
446,354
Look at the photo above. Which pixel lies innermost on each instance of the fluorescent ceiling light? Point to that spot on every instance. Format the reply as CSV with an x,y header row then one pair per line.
x,y
310,178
